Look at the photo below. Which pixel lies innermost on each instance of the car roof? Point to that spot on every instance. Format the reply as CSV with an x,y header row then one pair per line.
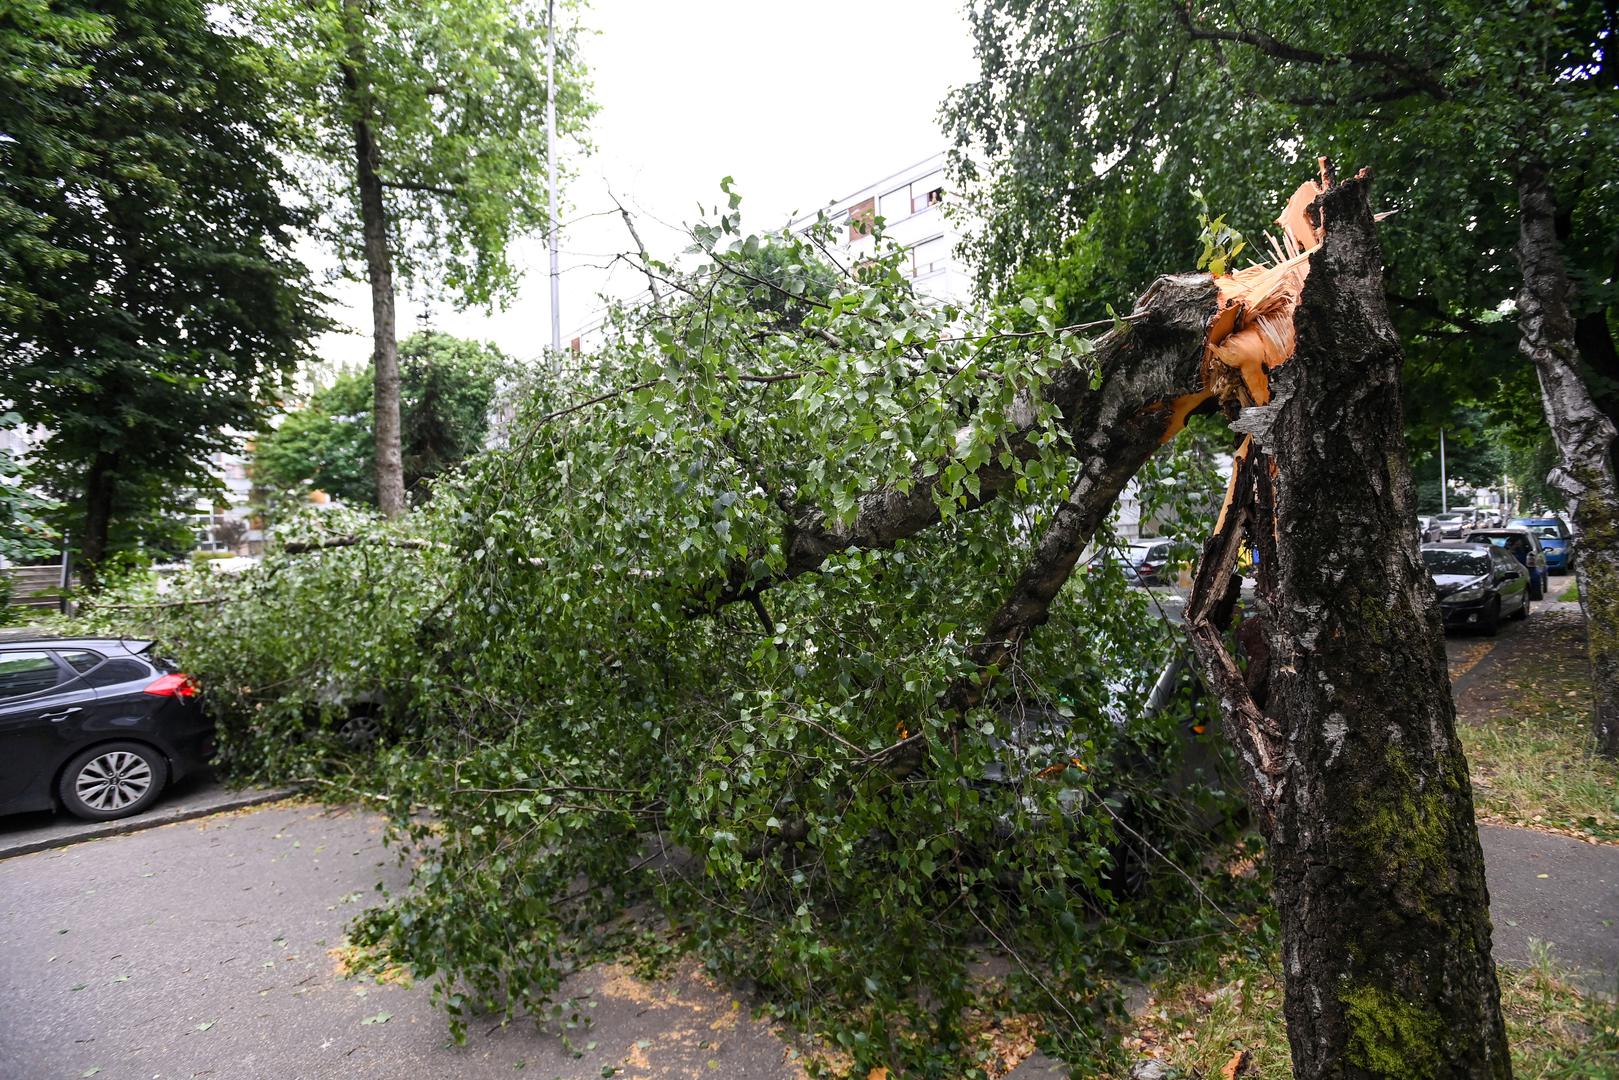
x,y
1457,545
1502,530
10,639
1539,520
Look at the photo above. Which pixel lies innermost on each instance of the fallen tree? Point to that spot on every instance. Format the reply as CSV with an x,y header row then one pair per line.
x,y
839,795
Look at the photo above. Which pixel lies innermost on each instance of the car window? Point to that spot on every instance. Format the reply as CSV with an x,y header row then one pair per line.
x,y
81,660
1450,561
23,673
114,672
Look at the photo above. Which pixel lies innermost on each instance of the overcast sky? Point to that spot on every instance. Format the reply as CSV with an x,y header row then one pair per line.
x,y
801,103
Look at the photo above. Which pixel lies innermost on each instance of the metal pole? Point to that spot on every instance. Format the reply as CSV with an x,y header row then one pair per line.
x,y
1444,487
551,167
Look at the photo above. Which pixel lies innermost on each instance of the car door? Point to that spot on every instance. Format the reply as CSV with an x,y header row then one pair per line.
x,y
40,702
1511,580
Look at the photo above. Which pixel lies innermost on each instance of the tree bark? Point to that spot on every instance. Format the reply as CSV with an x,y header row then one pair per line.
x,y
99,485
390,470
1352,759
1585,440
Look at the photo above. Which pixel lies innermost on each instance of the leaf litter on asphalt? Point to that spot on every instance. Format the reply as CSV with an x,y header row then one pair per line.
x,y
379,1018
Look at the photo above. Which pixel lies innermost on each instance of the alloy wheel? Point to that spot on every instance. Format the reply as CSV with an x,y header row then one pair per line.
x,y
113,781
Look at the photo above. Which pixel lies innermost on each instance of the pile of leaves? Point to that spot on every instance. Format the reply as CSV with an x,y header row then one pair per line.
x,y
581,721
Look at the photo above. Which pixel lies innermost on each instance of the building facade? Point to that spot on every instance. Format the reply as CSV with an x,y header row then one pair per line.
x,y
918,214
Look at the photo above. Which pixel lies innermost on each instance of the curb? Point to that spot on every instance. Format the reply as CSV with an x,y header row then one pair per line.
x,y
145,821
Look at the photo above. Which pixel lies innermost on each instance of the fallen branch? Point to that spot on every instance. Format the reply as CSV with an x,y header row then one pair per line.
x,y
303,547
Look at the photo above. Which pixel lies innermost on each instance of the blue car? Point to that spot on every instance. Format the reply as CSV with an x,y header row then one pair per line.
x,y
1555,541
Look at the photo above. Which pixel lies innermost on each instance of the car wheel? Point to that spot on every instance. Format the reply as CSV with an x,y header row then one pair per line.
x,y
1523,611
1491,622
113,780
361,732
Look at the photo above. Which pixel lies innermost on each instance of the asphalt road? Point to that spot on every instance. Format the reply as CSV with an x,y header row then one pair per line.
x,y
203,949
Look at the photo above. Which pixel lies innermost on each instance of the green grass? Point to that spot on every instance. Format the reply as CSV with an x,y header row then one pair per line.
x,y
1538,768
1199,1020
1571,593
1529,744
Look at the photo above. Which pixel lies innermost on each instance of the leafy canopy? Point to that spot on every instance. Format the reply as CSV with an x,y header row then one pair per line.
x,y
454,92
1092,124
153,301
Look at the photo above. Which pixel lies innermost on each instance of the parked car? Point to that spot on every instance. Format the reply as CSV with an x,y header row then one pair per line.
x,y
1477,584
95,726
1523,545
1556,542
1150,562
1453,523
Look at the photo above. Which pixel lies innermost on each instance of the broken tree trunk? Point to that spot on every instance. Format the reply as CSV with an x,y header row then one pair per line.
x,y
1585,439
1350,751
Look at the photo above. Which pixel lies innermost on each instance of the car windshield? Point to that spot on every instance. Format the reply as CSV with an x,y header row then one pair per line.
x,y
1546,530
1452,561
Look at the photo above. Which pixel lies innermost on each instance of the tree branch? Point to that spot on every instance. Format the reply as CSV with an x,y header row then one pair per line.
x,y
1143,370
303,547
432,189
1420,77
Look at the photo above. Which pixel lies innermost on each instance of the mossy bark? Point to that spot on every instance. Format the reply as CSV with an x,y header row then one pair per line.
x,y
1585,440
1353,760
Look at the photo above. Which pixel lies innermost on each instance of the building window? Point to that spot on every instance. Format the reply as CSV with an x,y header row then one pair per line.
x,y
861,216
929,256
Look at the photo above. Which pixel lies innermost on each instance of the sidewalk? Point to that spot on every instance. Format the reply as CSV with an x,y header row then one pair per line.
x,y
196,796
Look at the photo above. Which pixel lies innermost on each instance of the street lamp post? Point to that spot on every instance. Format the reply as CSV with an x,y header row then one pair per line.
x,y
551,168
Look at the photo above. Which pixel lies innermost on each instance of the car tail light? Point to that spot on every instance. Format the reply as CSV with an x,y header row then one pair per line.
x,y
173,686
1147,567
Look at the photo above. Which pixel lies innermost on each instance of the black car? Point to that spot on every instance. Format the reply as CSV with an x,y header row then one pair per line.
x,y
1477,584
96,726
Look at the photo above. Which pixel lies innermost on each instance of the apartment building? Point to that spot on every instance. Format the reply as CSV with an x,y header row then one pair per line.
x,y
918,215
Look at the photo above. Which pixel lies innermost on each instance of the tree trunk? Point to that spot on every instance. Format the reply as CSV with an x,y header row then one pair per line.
x,y
379,271
1350,748
1585,440
99,485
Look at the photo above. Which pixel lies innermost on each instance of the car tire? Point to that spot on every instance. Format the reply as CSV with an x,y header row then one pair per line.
x,y
1491,622
1522,612
362,731
113,780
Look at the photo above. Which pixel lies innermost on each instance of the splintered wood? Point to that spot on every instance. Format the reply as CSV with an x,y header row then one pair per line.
x,y
1253,331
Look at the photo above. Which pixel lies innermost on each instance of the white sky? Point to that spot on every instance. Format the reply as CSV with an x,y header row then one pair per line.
x,y
801,103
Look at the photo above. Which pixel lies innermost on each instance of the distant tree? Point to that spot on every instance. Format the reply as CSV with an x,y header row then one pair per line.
x,y
151,299
447,385
423,126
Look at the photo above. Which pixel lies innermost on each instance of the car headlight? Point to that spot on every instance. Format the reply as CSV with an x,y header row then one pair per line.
x,y
1472,592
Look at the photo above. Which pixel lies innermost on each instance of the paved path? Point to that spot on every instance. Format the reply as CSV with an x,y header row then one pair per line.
x,y
1557,890
201,949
